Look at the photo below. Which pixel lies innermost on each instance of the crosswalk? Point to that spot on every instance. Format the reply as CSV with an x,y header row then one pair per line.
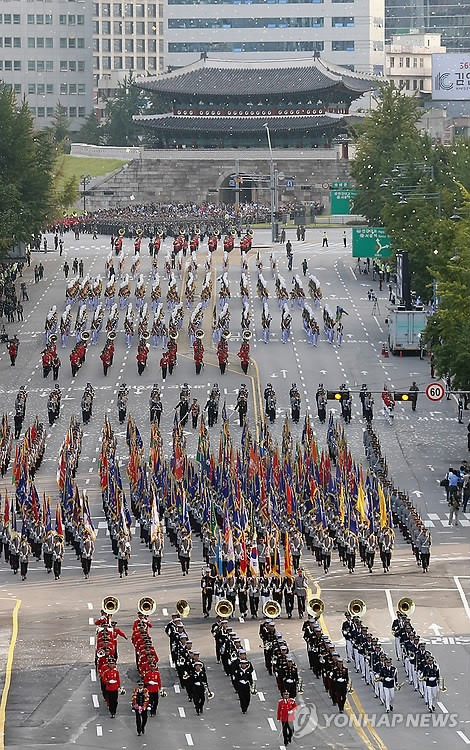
x,y
433,520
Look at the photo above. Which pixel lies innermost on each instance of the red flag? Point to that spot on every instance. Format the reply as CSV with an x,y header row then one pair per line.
x,y
6,512
58,521
288,570
243,559
179,463
288,499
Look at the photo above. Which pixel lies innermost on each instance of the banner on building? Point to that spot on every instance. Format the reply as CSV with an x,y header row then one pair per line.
x,y
451,76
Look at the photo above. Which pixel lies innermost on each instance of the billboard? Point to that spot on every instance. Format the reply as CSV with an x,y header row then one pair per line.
x,y
451,76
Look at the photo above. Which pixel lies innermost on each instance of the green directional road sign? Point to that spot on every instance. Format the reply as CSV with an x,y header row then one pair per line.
x,y
341,201
340,185
371,242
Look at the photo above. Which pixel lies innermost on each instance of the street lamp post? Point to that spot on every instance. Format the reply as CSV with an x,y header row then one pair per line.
x,y
405,193
84,180
273,184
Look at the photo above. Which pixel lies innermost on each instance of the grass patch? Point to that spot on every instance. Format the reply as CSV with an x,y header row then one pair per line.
x,y
76,166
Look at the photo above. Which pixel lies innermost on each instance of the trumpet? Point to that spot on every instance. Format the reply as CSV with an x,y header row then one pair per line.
x,y
357,607
183,608
406,606
224,609
146,605
110,605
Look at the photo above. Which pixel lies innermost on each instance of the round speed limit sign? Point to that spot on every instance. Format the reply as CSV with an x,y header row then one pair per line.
x,y
435,391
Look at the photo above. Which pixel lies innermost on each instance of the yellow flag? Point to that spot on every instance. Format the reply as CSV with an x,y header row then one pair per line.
x,y
361,503
382,507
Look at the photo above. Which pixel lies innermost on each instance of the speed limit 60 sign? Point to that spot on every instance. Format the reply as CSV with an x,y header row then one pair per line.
x,y
435,391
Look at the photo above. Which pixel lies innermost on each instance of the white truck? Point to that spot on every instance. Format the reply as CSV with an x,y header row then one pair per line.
x,y
404,330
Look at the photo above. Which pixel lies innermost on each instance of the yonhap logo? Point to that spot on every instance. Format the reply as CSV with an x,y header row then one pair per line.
x,y
441,82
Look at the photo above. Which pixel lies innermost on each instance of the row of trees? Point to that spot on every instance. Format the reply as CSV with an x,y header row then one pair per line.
x,y
419,192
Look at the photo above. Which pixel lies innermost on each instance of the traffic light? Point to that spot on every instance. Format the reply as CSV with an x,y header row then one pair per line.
x,y
402,396
337,395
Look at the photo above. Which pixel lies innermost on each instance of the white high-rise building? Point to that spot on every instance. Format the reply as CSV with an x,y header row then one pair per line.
x,y
127,38
349,33
45,55
408,61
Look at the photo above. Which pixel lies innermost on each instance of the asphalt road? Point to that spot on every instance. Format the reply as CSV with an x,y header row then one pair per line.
x,y
54,699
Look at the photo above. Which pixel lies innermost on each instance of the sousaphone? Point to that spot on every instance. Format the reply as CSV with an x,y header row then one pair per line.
x,y
111,335
247,334
85,336
183,608
122,232
110,605
146,605
315,607
199,334
226,335
357,607
53,338
406,606
272,609
224,609
139,232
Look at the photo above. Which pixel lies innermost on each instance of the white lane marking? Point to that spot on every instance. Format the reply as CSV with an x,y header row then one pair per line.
x,y
189,740
165,612
442,707
352,271
93,675
254,675
181,712
272,724
177,689
91,621
433,516
90,605
96,702
261,696
92,640
388,596
380,327
247,644
462,596
463,737
99,730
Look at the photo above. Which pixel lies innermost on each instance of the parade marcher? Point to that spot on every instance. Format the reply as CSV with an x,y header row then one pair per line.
x,y
195,411
13,345
122,399
87,550
294,396
198,351
155,404
244,354
164,361
414,390
140,703
112,684
207,592
286,715
198,680
222,354
243,683
141,357
124,554
300,590
321,400
58,555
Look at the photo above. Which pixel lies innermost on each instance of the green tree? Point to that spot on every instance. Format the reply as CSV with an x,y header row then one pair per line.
x,y
90,132
120,129
60,128
448,330
26,173
388,136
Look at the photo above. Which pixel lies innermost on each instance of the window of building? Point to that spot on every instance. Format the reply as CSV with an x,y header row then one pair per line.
x,y
41,112
81,89
140,10
407,62
400,62
421,83
342,46
118,63
96,9
49,88
63,20
117,45
33,111
80,43
48,19
407,84
16,18
72,88
415,84
40,66
96,45
63,42
49,42
415,62
245,46
7,41
151,27
49,66
30,18
141,63
50,111
72,66
31,88
129,63
106,45
140,27
72,111
129,10
117,10
31,65
17,65
17,88
129,45
105,9
342,21
96,63
16,41
81,66
392,62
106,63
117,27
41,89
161,63
106,27
152,45
151,10
8,65
81,112
64,89
40,42
140,45
152,63
128,28
96,27
421,62
7,18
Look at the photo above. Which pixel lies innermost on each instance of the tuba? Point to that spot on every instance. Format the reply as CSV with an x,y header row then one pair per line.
x,y
357,607
122,232
315,607
53,338
247,334
406,606
110,605
199,333
139,232
271,609
183,608
226,335
146,605
224,609
111,335
85,336
174,336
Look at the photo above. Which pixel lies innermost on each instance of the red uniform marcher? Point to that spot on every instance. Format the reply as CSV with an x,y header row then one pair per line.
x,y
244,355
198,355
286,715
74,362
13,350
153,683
229,243
112,682
222,354
172,350
212,243
46,363
142,354
106,357
164,364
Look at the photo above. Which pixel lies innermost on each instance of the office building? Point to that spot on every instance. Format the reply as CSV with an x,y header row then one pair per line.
x,y
349,33
449,18
45,55
408,61
127,38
